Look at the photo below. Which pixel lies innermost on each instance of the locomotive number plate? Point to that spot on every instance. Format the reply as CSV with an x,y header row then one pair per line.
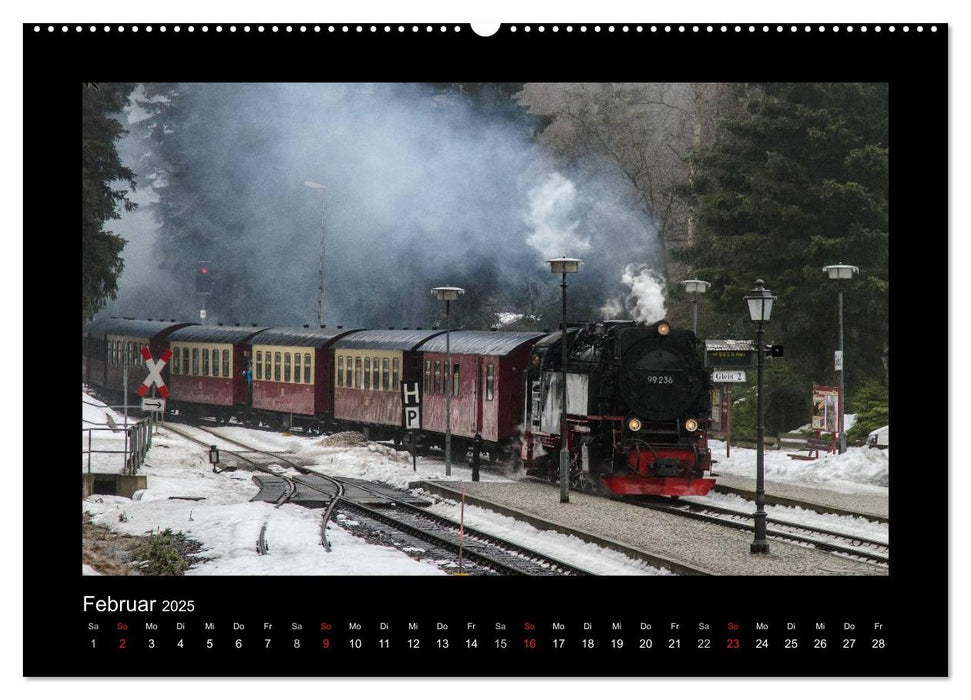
x,y
659,379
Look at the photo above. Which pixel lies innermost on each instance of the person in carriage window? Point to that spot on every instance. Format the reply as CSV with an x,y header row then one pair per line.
x,y
248,372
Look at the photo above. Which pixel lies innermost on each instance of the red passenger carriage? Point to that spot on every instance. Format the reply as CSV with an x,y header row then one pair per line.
x,y
486,380
293,372
208,367
369,368
112,345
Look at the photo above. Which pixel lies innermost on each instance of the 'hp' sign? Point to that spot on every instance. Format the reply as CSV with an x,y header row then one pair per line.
x,y
411,401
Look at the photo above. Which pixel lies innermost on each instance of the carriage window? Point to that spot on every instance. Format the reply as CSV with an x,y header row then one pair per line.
x,y
438,377
367,372
225,363
276,366
385,374
205,362
195,362
286,367
428,376
266,370
259,364
456,383
185,360
377,374
349,378
340,370
296,367
394,374
306,368
215,363
357,372
176,364
490,382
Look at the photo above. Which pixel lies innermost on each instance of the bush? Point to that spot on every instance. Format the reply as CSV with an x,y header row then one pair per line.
x,y
872,405
161,554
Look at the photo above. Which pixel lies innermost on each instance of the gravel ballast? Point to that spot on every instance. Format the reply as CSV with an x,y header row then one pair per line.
x,y
705,547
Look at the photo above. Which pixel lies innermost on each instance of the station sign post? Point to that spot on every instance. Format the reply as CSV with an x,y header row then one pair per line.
x,y
728,360
411,414
154,378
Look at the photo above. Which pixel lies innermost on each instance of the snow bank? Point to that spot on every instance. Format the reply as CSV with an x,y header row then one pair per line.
x,y
858,470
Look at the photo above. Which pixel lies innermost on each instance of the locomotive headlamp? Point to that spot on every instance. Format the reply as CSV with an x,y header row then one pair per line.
x,y
691,425
634,424
663,329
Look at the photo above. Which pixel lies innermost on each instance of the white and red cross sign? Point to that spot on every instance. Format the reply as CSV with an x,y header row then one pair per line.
x,y
154,373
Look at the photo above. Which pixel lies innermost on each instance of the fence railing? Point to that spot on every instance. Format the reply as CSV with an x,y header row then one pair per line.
x,y
138,440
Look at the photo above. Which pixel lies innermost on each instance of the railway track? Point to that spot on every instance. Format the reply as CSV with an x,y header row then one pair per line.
x,y
844,544
412,527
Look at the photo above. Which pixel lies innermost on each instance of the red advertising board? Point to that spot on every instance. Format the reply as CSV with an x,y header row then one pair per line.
x,y
826,408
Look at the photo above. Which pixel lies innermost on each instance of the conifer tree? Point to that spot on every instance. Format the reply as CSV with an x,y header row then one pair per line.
x,y
796,181
101,172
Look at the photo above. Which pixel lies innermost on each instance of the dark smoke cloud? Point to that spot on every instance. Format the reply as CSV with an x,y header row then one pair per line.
x,y
421,192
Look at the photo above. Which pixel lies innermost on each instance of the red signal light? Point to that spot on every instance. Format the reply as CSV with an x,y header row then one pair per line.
x,y
204,270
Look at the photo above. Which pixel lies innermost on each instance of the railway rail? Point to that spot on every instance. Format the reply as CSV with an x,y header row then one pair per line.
x,y
841,543
487,554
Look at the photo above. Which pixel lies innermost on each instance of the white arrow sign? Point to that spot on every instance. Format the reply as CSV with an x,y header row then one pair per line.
x,y
153,404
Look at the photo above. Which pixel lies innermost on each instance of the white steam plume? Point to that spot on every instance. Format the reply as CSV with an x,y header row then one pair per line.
x,y
645,302
553,219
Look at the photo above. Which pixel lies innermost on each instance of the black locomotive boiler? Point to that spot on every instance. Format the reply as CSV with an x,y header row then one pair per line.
x,y
638,409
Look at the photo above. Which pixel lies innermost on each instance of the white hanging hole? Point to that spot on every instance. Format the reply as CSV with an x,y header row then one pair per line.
x,y
486,28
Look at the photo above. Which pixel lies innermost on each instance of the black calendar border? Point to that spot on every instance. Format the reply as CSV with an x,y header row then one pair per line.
x,y
913,598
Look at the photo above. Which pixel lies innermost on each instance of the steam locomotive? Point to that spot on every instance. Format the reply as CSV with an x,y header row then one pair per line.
x,y
638,397
638,407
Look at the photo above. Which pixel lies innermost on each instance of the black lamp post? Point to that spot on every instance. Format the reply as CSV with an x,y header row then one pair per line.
x,y
695,288
448,295
759,302
562,266
841,272
214,457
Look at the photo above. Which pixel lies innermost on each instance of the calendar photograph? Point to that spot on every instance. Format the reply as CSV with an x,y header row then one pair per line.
x,y
530,350
485,328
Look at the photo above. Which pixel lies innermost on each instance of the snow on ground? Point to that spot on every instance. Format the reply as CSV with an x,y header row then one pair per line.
x,y
858,470
95,414
102,428
227,524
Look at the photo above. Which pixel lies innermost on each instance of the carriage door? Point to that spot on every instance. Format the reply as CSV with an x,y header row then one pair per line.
x,y
477,396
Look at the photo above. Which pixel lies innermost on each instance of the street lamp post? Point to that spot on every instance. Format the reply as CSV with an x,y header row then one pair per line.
x,y
448,295
841,272
320,278
695,288
759,302
562,266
